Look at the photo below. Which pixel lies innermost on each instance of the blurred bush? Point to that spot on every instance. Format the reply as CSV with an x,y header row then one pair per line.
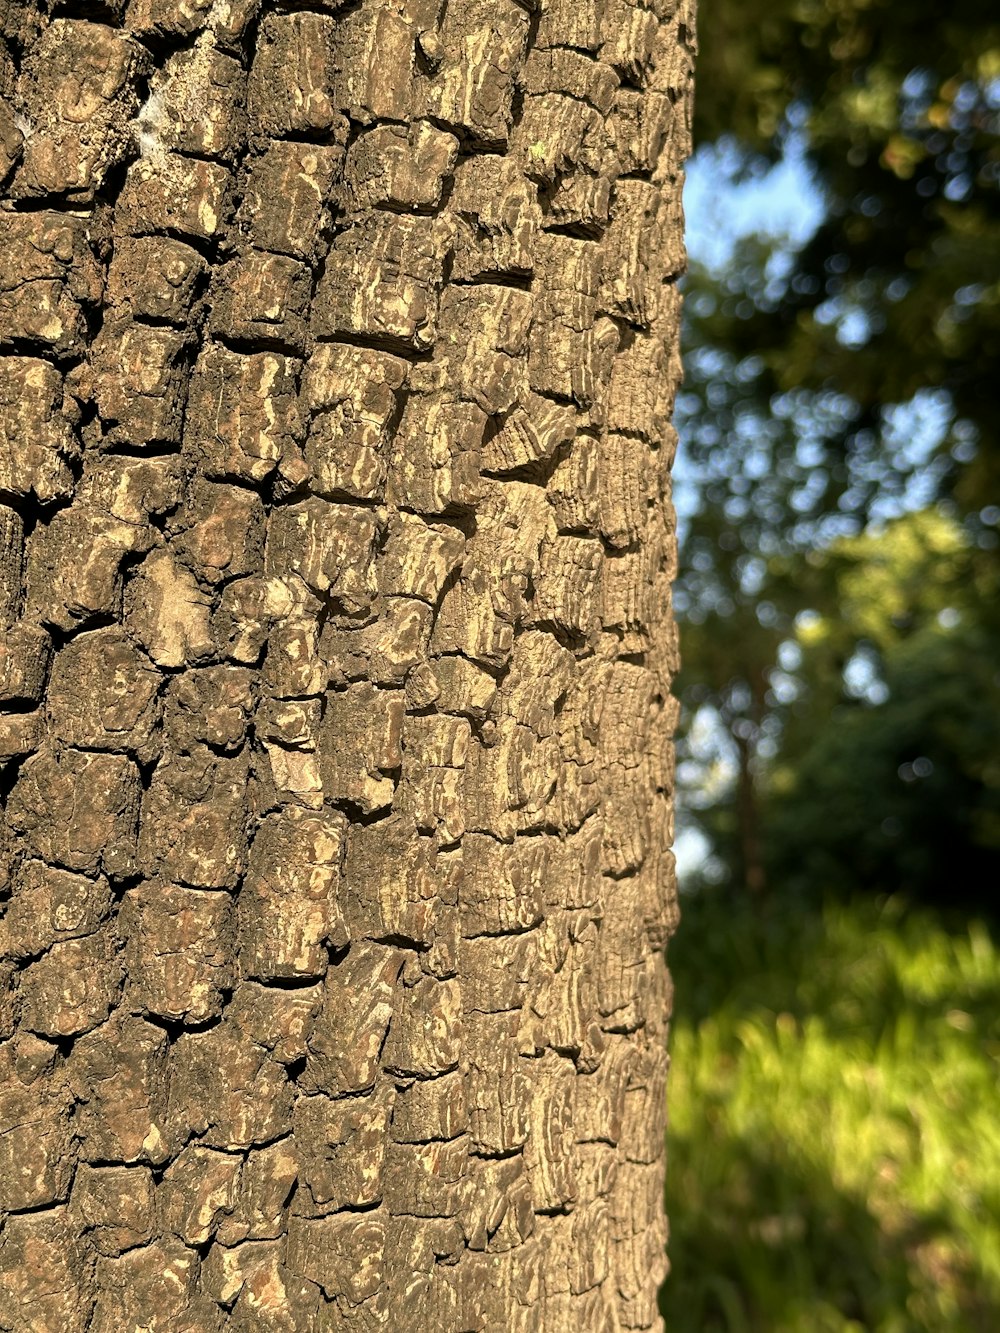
x,y
879,688
891,776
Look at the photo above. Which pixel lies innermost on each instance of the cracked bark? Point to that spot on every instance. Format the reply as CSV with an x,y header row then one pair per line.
x,y
338,346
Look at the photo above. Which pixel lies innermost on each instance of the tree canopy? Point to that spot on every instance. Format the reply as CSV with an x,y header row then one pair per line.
x,y
897,109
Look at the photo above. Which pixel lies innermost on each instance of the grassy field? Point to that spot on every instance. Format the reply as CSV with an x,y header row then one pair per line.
x,y
834,1145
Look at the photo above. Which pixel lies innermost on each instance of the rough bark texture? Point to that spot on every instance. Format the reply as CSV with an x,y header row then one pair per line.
x,y
338,352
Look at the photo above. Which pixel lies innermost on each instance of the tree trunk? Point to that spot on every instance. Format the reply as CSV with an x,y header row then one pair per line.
x,y
339,347
746,733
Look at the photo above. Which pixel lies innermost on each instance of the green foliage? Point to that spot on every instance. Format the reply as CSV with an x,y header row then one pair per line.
x,y
898,109
833,1151
901,782
874,753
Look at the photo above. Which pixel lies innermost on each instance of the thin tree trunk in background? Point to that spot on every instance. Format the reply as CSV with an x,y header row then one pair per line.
x,y
339,347
749,858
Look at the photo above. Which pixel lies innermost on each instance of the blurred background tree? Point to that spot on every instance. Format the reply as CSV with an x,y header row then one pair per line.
x,y
841,444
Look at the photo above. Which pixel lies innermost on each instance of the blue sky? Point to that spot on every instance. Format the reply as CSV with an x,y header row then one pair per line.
x,y
783,202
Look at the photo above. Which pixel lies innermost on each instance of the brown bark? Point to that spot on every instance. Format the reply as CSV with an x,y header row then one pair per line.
x,y
338,349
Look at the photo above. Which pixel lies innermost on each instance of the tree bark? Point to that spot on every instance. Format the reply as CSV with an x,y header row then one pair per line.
x,y
339,349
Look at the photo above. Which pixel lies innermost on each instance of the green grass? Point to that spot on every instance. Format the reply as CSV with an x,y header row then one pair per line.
x,y
834,1141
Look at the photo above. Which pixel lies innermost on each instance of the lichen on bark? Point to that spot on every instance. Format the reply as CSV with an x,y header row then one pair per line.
x,y
338,347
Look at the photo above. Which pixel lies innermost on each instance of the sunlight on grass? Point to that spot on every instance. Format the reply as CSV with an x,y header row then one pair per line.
x,y
834,1149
